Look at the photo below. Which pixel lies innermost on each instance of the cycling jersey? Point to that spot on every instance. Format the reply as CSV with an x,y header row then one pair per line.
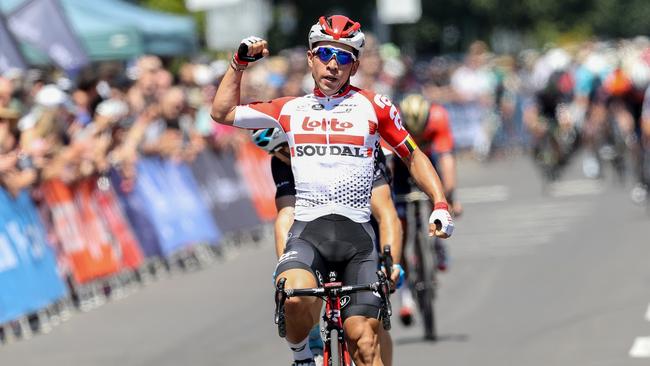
x,y
286,186
435,140
333,141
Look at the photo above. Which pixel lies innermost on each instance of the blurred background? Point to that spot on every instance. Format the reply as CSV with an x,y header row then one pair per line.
x,y
116,183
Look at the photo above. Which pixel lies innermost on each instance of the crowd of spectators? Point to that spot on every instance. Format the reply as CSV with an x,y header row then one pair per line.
x,y
56,126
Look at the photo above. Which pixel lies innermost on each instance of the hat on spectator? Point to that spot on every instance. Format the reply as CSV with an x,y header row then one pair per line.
x,y
203,75
112,108
51,96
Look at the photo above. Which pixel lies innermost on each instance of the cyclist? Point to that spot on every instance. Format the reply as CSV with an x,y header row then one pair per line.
x,y
274,141
428,124
333,134
549,118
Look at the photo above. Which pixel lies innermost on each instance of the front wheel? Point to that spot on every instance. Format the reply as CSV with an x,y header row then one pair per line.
x,y
425,289
425,285
336,352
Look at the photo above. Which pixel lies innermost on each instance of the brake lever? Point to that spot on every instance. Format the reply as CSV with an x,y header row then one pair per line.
x,y
280,298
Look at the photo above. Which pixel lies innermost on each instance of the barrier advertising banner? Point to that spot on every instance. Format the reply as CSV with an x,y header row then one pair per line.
x,y
135,207
90,257
28,274
106,203
255,167
224,191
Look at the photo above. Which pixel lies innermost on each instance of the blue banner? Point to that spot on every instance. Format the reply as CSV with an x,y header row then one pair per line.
x,y
196,221
136,210
28,275
173,204
158,205
224,191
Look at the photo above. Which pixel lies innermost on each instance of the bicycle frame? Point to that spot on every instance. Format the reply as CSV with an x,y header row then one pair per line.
x,y
334,322
331,293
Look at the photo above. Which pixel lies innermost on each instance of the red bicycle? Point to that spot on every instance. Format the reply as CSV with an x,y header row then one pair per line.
x,y
335,352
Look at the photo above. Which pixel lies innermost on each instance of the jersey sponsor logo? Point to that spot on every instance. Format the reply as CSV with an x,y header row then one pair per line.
x,y
323,125
319,276
383,102
342,111
324,139
316,150
317,107
282,184
345,300
287,256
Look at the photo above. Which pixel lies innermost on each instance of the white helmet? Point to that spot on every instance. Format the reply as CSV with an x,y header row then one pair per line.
x,y
337,28
269,139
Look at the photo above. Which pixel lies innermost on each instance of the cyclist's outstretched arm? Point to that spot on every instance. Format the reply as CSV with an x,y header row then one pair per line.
x,y
228,93
391,130
425,175
227,97
447,164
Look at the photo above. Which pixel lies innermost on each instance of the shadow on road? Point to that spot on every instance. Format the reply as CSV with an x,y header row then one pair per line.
x,y
442,338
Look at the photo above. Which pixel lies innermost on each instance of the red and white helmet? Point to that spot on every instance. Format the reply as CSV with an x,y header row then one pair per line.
x,y
337,28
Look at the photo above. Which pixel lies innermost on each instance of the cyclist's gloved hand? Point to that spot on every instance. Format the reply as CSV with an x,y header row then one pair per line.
x,y
440,221
275,273
250,49
397,275
401,275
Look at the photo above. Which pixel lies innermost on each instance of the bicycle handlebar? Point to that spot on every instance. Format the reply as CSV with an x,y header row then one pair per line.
x,y
332,289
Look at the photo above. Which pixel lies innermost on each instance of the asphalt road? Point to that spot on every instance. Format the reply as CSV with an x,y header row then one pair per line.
x,y
561,278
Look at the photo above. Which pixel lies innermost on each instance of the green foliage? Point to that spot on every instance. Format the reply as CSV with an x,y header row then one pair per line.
x,y
177,7
451,25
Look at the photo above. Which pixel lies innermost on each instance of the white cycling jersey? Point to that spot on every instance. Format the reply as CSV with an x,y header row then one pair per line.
x,y
332,141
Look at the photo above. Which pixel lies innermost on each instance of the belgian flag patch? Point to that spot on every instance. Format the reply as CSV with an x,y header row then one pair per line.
x,y
410,144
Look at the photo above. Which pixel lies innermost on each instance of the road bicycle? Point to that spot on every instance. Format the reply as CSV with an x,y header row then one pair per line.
x,y
335,351
420,257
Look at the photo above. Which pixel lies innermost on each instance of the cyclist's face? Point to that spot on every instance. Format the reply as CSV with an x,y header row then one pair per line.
x,y
330,76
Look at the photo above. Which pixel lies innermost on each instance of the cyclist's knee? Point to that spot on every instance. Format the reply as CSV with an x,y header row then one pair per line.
x,y
302,305
297,278
300,278
362,336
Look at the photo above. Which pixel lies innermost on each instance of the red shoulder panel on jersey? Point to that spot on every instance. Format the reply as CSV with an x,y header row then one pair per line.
x,y
389,121
271,108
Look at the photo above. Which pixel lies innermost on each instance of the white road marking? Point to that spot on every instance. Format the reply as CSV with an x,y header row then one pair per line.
x,y
518,229
483,194
647,314
577,187
640,348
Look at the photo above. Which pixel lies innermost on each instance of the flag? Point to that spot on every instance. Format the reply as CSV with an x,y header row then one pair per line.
x,y
43,24
10,56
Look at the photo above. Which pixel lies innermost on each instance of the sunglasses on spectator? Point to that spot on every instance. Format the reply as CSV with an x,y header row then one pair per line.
x,y
343,57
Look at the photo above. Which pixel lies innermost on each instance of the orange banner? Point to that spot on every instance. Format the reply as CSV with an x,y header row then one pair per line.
x,y
106,202
82,237
255,167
